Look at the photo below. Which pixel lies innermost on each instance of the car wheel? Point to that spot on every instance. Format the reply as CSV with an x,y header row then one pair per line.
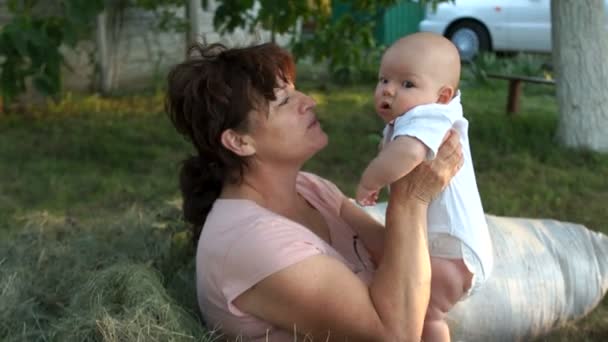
x,y
470,38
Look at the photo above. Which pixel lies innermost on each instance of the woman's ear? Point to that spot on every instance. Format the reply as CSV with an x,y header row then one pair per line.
x,y
241,144
446,93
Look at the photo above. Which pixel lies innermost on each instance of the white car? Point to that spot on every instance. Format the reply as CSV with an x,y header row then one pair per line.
x,y
493,25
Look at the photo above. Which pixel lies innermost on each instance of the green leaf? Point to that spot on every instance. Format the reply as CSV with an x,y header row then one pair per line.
x,y
45,84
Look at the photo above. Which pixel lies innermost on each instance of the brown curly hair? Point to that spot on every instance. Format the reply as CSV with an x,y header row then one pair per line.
x,y
216,89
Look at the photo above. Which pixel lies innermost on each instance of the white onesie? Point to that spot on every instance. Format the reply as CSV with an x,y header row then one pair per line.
x,y
457,210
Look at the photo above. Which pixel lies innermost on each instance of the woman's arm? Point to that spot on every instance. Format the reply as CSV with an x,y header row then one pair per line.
x,y
367,228
322,298
406,229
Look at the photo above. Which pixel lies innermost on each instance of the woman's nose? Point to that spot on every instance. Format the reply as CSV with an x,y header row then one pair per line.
x,y
308,103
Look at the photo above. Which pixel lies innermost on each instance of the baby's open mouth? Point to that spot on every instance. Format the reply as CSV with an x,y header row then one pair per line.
x,y
385,105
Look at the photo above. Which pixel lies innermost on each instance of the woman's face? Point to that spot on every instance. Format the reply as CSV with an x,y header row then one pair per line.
x,y
290,132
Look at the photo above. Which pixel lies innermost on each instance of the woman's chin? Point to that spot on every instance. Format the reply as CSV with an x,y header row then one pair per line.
x,y
324,140
320,142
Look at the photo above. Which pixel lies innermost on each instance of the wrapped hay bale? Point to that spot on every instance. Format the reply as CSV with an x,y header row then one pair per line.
x,y
546,273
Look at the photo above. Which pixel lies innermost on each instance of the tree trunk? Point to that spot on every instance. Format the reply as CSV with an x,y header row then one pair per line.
x,y
103,58
580,49
194,11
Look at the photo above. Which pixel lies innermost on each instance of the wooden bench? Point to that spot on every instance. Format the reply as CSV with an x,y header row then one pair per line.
x,y
515,85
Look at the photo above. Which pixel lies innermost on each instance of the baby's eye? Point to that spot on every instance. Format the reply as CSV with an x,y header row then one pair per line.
x,y
408,84
382,80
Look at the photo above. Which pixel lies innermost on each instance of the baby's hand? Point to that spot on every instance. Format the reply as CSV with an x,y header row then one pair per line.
x,y
365,196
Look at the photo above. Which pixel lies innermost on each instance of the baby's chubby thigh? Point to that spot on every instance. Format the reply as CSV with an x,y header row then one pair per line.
x,y
450,281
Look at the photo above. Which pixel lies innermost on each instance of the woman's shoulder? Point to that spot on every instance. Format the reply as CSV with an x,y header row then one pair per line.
x,y
229,215
236,221
309,177
320,191
241,242
307,180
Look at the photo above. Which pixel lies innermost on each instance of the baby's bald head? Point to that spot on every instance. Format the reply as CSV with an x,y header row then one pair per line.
x,y
428,53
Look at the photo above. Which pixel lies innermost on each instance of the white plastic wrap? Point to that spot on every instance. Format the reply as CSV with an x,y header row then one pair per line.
x,y
546,273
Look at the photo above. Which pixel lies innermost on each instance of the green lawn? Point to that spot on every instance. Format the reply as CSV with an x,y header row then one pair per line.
x,y
88,205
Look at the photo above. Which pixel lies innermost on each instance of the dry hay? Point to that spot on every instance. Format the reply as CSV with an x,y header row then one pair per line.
x,y
126,278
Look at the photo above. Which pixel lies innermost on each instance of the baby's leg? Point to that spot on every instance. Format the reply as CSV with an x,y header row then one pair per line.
x,y
450,280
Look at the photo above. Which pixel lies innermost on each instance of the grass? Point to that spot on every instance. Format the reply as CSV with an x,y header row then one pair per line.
x,y
82,163
88,190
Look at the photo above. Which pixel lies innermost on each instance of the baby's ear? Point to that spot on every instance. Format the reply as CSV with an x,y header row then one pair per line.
x,y
446,93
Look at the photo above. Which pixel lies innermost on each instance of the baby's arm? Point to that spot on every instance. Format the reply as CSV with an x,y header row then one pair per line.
x,y
396,159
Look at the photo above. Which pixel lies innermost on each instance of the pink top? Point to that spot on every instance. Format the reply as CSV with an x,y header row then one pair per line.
x,y
243,243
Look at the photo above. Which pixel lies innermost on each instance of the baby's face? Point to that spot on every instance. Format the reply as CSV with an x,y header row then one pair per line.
x,y
402,85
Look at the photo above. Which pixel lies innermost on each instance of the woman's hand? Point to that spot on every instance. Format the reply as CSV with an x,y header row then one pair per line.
x,y
428,179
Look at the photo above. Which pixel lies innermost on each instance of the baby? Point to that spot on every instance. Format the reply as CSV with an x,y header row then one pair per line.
x,y
417,96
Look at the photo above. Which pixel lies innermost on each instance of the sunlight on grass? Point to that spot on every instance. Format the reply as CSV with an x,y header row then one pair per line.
x,y
77,104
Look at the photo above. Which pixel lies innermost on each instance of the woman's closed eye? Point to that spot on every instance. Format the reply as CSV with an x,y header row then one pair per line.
x,y
284,101
408,84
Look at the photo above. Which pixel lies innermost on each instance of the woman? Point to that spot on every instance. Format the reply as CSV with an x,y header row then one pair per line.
x,y
283,252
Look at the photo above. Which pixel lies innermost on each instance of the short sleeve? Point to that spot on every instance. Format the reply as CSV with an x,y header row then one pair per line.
x,y
426,124
324,192
267,247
